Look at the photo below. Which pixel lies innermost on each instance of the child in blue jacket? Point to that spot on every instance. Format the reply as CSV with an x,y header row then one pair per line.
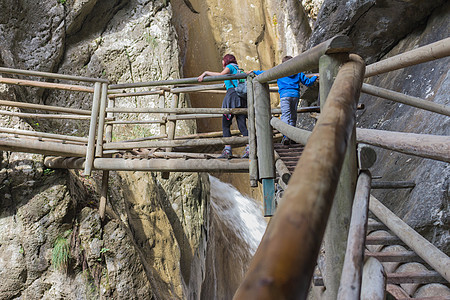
x,y
289,90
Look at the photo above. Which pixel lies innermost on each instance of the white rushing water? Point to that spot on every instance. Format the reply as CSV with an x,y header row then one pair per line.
x,y
240,214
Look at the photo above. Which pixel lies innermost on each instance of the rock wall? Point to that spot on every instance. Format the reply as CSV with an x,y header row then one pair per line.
x,y
381,29
152,244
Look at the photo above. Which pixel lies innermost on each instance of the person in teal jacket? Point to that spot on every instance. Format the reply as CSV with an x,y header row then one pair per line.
x,y
289,90
231,100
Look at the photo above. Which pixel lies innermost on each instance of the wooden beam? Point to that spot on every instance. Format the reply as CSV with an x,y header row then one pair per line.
x,y
298,135
373,281
178,143
350,284
38,147
191,80
45,107
307,60
51,75
43,116
253,159
44,135
155,164
423,277
90,151
406,99
393,184
145,93
427,251
47,85
423,54
406,256
383,240
422,145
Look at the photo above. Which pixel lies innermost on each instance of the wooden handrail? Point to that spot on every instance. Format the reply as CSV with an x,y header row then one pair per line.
x,y
51,75
406,99
423,54
307,60
284,262
47,85
45,107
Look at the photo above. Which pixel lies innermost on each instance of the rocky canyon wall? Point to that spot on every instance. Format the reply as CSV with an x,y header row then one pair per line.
x,y
153,241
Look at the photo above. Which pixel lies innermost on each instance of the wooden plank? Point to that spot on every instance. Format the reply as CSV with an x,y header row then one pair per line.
x,y
407,256
383,240
374,225
393,184
424,277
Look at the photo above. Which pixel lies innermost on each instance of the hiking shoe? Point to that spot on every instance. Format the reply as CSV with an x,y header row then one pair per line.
x,y
226,153
285,141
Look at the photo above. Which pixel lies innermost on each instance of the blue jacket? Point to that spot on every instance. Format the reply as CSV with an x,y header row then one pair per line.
x,y
289,86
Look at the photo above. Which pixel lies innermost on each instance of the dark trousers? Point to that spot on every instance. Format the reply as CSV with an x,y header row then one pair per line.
x,y
226,124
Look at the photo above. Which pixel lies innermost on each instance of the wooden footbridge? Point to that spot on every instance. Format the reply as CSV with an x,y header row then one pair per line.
x,y
285,261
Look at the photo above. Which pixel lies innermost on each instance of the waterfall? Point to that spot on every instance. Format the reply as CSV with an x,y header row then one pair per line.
x,y
241,214
236,228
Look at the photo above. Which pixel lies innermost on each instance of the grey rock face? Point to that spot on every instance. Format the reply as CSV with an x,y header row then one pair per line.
x,y
426,206
373,26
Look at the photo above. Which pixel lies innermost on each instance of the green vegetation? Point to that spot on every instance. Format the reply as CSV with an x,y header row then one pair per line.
x,y
61,252
48,172
151,40
62,1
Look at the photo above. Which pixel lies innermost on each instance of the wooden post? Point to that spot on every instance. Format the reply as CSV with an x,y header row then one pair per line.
x,y
90,152
105,175
264,140
373,286
253,159
335,240
162,127
101,120
171,125
350,285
